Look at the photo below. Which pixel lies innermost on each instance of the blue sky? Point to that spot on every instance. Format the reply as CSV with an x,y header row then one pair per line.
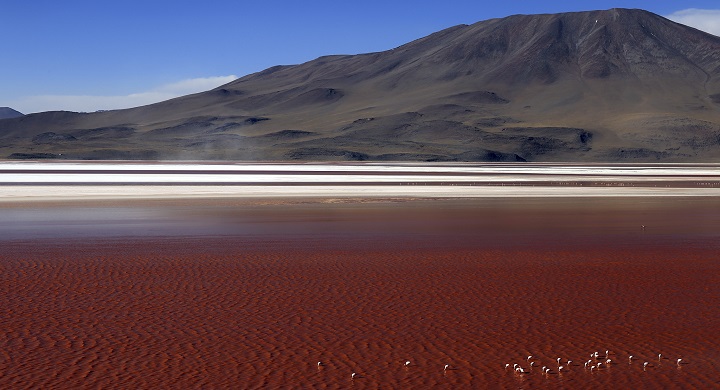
x,y
87,55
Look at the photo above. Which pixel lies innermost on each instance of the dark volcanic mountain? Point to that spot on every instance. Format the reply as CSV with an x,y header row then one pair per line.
x,y
7,112
616,85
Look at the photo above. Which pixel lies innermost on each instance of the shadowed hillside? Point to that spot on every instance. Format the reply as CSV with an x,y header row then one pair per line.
x,y
615,85
7,112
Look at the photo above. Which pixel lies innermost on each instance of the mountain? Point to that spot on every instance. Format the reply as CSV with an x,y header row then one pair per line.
x,y
612,85
7,112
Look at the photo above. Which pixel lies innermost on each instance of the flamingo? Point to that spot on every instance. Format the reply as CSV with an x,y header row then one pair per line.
x,y
528,358
645,365
630,358
507,365
407,363
448,366
678,361
353,375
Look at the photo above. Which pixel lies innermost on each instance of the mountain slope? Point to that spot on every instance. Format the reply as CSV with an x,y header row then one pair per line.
x,y
7,112
609,85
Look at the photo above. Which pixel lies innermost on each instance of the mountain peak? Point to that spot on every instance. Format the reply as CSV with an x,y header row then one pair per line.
x,y
592,44
606,85
7,112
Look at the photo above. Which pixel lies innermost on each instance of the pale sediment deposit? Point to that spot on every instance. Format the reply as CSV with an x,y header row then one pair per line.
x,y
56,181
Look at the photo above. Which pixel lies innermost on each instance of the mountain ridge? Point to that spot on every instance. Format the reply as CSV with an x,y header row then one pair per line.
x,y
8,113
614,85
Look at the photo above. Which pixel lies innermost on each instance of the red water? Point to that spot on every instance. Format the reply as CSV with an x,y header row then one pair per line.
x,y
362,295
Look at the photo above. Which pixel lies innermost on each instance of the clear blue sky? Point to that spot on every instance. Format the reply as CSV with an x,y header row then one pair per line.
x,y
72,48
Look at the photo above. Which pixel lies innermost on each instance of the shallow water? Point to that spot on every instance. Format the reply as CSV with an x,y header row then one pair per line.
x,y
226,294
459,222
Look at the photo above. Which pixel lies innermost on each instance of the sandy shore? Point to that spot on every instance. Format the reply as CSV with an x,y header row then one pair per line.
x,y
226,294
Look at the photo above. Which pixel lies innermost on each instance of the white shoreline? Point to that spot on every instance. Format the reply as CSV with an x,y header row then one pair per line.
x,y
709,169
57,193
31,181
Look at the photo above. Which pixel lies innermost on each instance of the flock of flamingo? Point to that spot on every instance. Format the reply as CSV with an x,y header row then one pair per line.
x,y
355,374
597,361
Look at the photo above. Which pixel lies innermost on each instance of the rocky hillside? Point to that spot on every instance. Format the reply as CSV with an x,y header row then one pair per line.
x,y
614,85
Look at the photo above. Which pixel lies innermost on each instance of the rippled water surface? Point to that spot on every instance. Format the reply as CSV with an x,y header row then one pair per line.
x,y
228,294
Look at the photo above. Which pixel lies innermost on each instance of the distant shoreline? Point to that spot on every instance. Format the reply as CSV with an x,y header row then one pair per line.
x,y
153,180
